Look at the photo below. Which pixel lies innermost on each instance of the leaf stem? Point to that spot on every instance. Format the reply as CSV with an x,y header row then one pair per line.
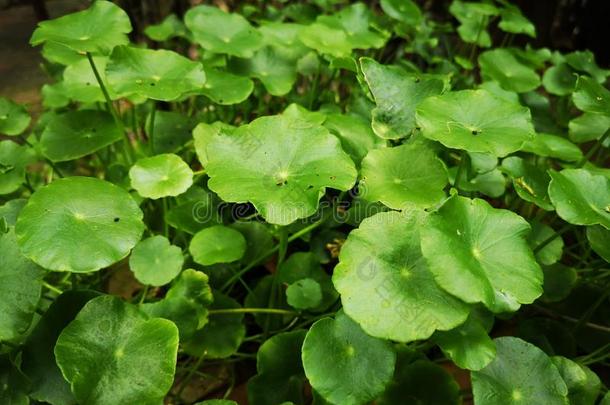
x,y
595,148
52,288
111,109
151,128
551,238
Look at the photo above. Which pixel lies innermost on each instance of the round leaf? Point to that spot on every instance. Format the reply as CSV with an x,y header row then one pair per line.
x,y
160,176
385,284
599,238
396,94
421,382
217,244
280,164
552,251
559,280
500,65
553,146
14,159
345,365
280,371
304,294
476,121
14,118
112,344
156,262
529,181
79,224
591,97
156,74
221,32
583,384
559,80
225,88
468,345
78,133
570,192
480,254
520,373
408,175
98,29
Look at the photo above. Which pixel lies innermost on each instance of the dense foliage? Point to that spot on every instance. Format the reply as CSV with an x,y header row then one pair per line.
x,y
362,202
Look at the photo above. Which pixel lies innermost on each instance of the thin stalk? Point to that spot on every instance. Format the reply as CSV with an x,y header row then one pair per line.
x,y
184,383
111,109
151,129
268,253
273,296
52,288
49,162
165,224
594,149
551,238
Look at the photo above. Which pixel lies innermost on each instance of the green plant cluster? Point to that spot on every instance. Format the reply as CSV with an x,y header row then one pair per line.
x,y
355,199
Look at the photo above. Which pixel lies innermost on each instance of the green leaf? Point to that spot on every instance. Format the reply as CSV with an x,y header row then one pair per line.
x,y
513,21
112,344
304,294
583,384
480,254
497,90
186,303
11,209
405,11
584,61
259,239
420,382
217,244
14,386
170,27
98,29
591,96
280,374
345,365
221,32
409,175
474,18
14,159
195,210
154,261
570,192
559,280
276,71
165,175
553,146
79,224
529,181
468,345
260,297
305,266
326,39
80,83
53,96
203,135
222,335
559,80
396,94
476,121
552,251
172,130
280,164
226,88
500,65
38,359
599,239
588,127
14,118
520,372
385,284
20,288
75,134
155,74
357,137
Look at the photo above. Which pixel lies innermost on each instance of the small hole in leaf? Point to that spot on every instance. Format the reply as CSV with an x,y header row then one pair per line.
x,y
220,100
152,84
88,84
333,177
309,187
117,219
475,132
